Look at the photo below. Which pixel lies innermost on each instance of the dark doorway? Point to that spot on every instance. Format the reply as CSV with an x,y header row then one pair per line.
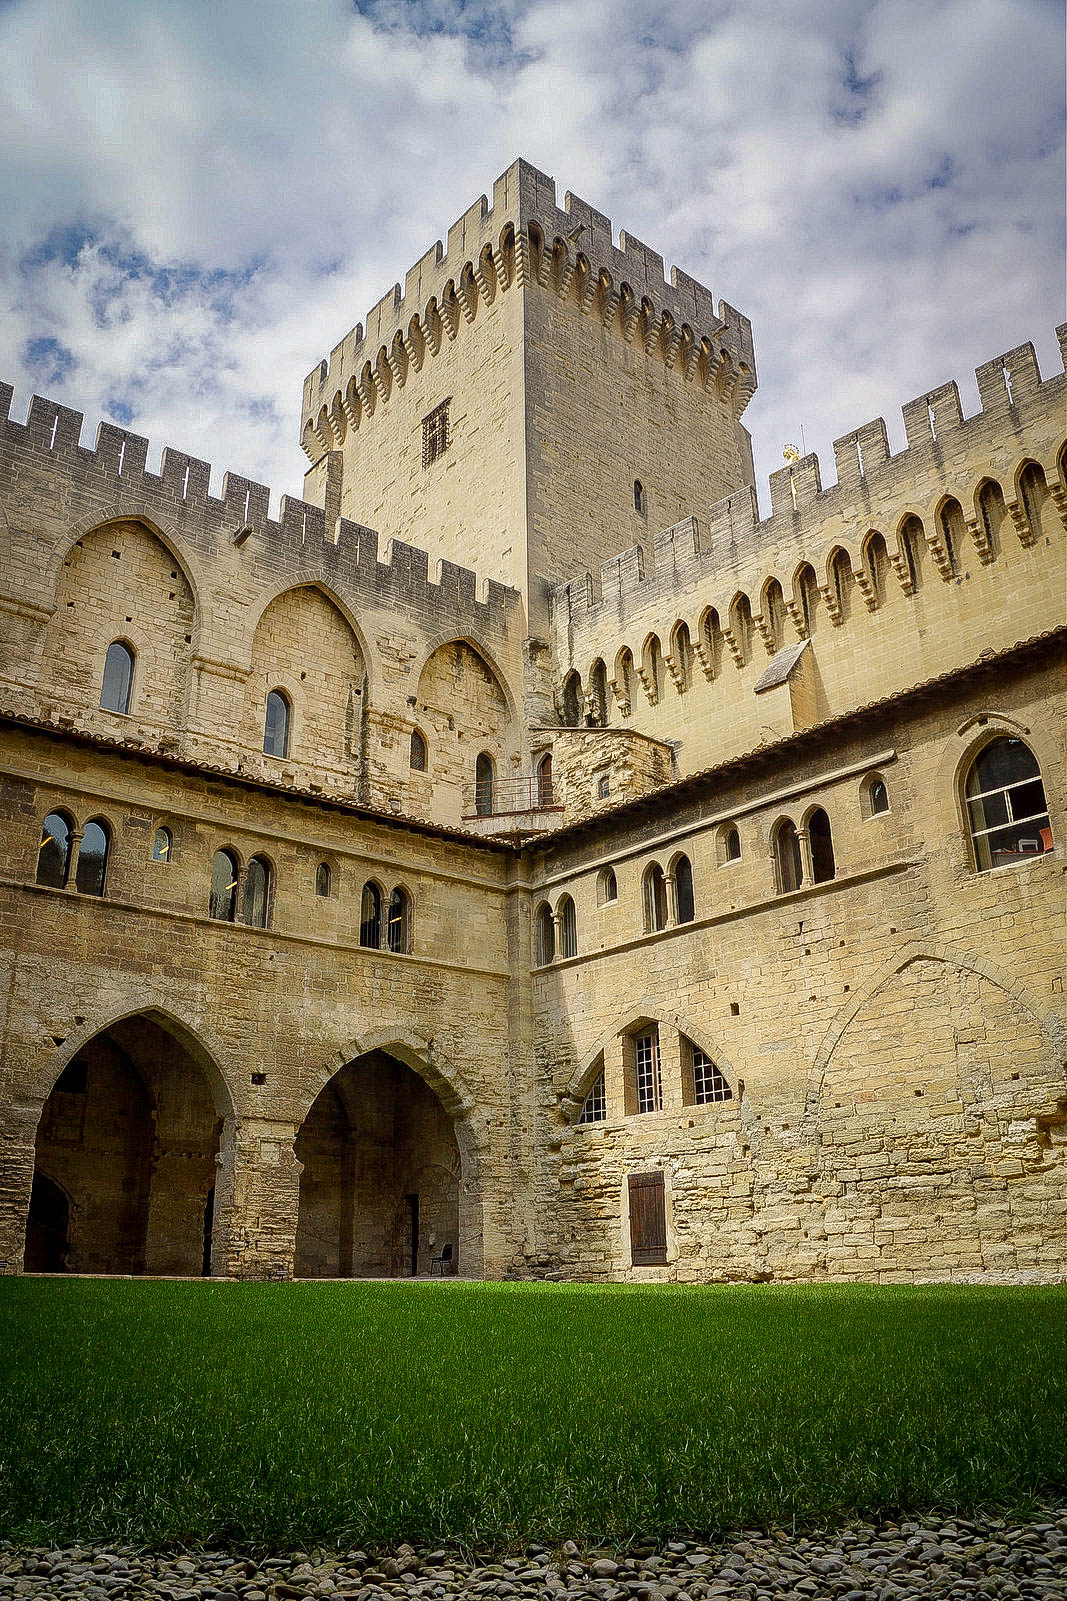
x,y
47,1230
209,1218
413,1205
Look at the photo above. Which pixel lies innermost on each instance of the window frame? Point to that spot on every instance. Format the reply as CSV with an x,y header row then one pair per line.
x,y
69,826
83,887
594,1108
1012,822
256,912
282,698
227,853
371,924
130,655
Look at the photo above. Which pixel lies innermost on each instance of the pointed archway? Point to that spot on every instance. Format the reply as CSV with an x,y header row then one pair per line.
x,y
125,1158
381,1181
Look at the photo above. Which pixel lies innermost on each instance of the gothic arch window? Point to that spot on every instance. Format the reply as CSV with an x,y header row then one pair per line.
x,y
653,665
255,902
912,540
598,684
879,796
1007,812
117,684
595,1106
222,904
544,780
544,936
53,853
822,847
572,700
774,613
702,1081
624,675
682,656
92,858
370,916
1033,492
323,879
568,927
484,784
876,562
741,626
683,889
953,532
607,888
992,511
398,922
654,887
640,498
843,580
787,857
730,844
162,844
417,752
276,724
806,590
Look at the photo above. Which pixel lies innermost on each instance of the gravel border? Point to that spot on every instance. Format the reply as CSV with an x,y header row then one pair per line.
x,y
985,1557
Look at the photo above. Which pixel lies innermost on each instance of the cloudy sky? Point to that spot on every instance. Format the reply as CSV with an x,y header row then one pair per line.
x,y
200,197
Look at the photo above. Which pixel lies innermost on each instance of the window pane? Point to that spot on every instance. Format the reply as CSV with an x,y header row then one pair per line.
x,y
483,786
1005,761
223,900
683,889
161,845
595,1107
53,858
322,879
649,1087
708,1082
879,797
118,678
92,860
256,894
370,917
1027,800
397,928
276,726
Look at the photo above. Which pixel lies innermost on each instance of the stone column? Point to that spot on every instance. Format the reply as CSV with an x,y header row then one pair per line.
x,y
257,1198
805,856
17,1158
672,900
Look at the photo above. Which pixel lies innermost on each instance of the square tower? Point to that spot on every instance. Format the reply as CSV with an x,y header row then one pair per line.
x,y
535,399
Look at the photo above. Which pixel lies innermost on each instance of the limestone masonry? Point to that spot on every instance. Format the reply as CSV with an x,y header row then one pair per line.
x,y
519,857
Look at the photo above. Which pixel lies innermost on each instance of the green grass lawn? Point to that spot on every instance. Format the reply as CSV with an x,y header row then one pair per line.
x,y
300,1414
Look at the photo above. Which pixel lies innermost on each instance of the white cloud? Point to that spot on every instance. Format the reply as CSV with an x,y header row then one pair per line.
x,y
201,200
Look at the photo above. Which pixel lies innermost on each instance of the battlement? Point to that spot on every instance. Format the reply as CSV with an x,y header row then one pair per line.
x,y
875,490
525,237
110,480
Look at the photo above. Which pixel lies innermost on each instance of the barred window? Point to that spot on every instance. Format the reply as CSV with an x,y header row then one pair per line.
x,y
595,1106
708,1082
435,435
649,1082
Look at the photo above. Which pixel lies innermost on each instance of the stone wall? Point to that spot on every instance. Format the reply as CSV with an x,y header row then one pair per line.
x,y
892,1038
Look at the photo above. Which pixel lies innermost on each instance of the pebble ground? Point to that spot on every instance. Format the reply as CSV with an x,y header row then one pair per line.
x,y
983,1558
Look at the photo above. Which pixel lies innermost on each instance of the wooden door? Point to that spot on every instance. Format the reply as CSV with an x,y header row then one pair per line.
x,y
648,1219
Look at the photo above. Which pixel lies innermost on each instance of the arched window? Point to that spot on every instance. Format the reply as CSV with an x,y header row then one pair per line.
x,y
841,572
683,889
223,902
572,700
654,665
483,785
774,613
682,656
788,858
711,634
876,561
255,906
992,510
913,548
1033,492
595,1106
370,916
568,927
161,845
607,888
276,725
544,780
655,896
92,858
731,844
822,847
53,853
806,590
598,684
708,1083
545,937
953,532
417,752
624,673
398,921
118,677
741,626
874,795
1006,805
640,498
323,879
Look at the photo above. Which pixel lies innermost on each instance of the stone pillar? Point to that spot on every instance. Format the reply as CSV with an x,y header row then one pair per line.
x,y
17,1158
672,900
805,856
257,1198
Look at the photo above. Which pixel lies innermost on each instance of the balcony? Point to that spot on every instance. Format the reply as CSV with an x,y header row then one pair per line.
x,y
511,808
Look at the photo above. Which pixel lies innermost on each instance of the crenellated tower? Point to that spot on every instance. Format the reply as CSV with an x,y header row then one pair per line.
x,y
535,399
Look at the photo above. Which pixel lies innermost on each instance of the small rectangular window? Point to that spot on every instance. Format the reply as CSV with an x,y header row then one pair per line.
x,y
435,435
648,1219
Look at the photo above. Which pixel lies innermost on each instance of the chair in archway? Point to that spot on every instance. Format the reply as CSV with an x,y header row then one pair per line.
x,y
442,1263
